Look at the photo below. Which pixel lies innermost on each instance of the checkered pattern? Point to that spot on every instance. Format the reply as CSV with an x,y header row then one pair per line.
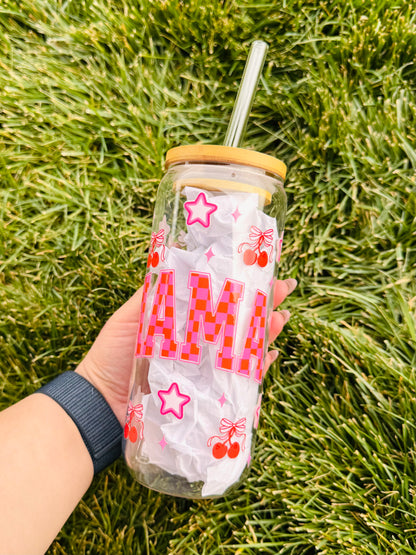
x,y
254,346
162,318
146,285
201,312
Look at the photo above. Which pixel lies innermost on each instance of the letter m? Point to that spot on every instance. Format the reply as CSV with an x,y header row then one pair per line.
x,y
214,323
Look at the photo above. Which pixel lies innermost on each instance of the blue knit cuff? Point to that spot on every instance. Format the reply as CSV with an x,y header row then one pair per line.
x,y
96,422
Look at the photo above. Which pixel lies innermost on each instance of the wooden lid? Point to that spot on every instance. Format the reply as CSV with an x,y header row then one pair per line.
x,y
225,155
224,185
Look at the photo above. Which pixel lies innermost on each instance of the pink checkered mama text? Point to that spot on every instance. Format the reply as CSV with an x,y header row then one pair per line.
x,y
207,320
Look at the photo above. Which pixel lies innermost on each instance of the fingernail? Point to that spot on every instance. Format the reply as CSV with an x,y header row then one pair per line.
x,y
291,285
286,315
273,356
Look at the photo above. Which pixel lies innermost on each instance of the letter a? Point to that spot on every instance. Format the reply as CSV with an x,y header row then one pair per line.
x,y
254,345
163,318
146,285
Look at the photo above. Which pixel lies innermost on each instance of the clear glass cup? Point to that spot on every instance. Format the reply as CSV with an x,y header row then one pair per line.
x,y
195,390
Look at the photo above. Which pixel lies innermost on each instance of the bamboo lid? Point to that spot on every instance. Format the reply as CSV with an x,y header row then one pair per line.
x,y
225,155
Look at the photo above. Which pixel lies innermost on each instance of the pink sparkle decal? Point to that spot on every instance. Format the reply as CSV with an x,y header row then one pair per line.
x,y
222,400
209,254
163,443
236,214
199,210
173,401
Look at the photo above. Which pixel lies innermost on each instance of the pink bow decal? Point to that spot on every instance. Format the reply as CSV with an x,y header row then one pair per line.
x,y
157,240
135,411
256,235
258,238
253,251
229,429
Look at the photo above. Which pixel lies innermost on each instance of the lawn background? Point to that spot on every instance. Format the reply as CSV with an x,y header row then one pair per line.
x,y
92,95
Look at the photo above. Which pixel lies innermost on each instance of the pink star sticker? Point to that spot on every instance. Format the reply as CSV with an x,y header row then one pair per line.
x,y
163,443
199,210
236,214
173,401
222,400
209,254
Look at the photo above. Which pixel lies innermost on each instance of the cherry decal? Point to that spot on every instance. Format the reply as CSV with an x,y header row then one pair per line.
x,y
234,450
263,259
219,450
157,240
133,435
134,416
249,257
253,248
155,259
228,429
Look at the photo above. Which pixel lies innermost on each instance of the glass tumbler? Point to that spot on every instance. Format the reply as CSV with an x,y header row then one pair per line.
x,y
195,389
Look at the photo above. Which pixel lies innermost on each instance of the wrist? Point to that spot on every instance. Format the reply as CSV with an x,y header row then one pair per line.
x,y
87,370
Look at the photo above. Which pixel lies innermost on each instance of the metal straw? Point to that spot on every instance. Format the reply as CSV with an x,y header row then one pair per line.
x,y
242,107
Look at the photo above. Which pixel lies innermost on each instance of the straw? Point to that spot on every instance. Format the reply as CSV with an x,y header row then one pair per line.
x,y
254,65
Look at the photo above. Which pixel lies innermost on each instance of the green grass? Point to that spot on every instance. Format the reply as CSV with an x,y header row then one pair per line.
x,y
92,95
